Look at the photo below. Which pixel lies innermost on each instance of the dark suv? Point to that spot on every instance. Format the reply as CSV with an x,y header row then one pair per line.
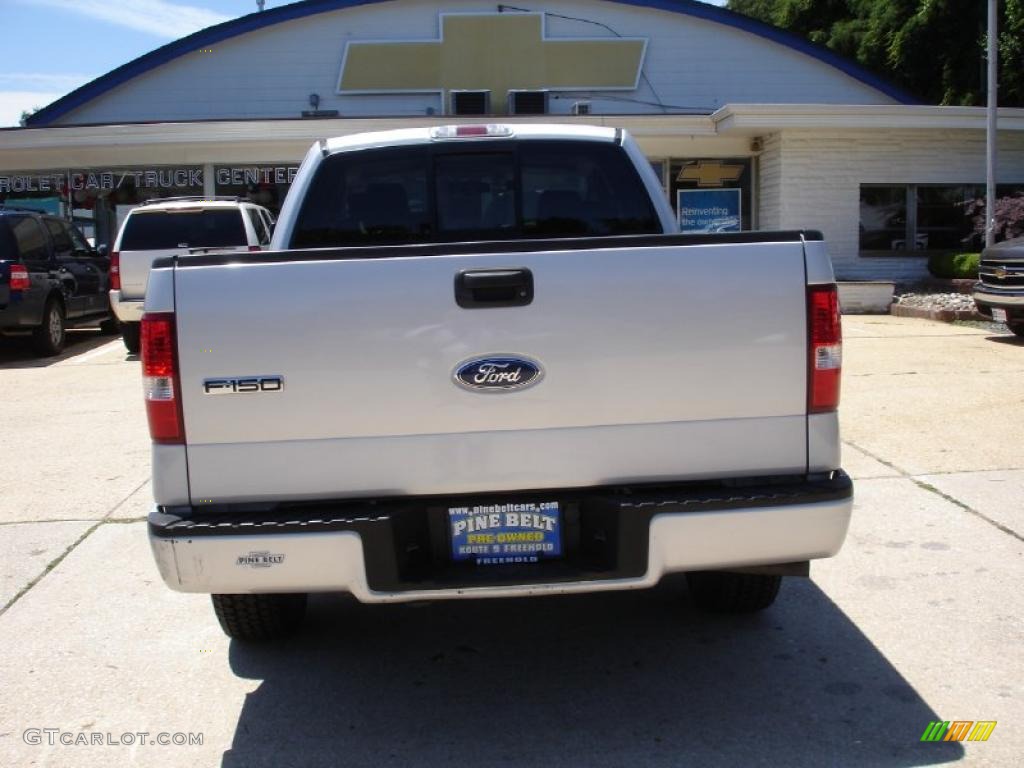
x,y
50,279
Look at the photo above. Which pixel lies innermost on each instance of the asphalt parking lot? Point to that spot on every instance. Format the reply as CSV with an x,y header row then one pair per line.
x,y
918,618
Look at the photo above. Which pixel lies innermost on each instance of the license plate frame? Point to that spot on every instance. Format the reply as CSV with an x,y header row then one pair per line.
x,y
506,533
998,315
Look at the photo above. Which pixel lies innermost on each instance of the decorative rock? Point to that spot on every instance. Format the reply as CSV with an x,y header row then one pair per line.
x,y
945,307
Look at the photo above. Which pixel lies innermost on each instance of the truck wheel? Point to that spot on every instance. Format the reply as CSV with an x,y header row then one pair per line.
x,y
130,334
110,326
258,618
1016,328
48,339
721,592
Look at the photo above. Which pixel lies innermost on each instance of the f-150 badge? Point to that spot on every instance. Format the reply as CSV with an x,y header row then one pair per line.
x,y
497,374
243,385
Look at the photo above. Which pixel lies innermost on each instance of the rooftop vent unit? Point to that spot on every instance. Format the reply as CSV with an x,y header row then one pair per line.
x,y
527,102
581,107
469,102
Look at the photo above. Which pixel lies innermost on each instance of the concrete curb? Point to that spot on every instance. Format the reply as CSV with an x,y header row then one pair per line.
x,y
942,315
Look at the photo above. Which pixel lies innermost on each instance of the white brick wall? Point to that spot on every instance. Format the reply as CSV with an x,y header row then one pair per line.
x,y
814,179
770,188
867,298
271,72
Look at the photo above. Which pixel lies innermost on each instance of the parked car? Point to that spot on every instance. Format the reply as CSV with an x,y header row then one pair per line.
x,y
50,279
507,375
177,226
999,292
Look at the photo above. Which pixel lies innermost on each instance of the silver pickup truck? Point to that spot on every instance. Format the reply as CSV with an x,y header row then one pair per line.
x,y
479,361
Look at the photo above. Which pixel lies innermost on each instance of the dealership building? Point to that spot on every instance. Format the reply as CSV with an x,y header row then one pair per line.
x,y
762,129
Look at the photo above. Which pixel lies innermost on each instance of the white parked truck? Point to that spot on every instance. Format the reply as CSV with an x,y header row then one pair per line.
x,y
479,361
176,226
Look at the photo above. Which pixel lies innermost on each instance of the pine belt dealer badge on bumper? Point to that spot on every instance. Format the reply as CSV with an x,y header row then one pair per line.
x,y
262,559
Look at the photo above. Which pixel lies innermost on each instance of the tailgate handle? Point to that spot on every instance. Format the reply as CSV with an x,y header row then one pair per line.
x,y
489,288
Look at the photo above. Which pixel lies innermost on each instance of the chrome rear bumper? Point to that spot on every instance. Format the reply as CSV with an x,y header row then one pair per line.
x,y
321,555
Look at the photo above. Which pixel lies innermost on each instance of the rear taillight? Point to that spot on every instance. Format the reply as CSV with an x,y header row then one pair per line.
x,y
19,278
825,348
160,378
115,271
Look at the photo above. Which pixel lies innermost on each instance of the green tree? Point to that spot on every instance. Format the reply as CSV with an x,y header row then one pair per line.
x,y
936,49
25,115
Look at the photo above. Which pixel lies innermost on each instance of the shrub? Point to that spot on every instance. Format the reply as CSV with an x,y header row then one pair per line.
x,y
953,266
1008,215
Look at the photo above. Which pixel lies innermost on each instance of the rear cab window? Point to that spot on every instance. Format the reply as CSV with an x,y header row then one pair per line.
x,y
186,228
495,190
22,238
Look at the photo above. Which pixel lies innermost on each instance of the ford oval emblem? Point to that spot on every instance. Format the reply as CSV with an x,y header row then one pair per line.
x,y
498,374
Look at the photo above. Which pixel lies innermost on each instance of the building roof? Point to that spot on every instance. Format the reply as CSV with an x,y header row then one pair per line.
x,y
202,141
256,21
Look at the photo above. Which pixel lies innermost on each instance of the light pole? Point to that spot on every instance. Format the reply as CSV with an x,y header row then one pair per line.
x,y
990,132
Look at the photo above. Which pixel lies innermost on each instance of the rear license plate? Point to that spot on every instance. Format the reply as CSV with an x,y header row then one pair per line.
x,y
503,534
999,315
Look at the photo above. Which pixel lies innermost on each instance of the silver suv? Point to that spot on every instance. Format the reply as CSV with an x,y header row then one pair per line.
x,y
177,226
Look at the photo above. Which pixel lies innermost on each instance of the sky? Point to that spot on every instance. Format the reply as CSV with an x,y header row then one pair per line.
x,y
52,47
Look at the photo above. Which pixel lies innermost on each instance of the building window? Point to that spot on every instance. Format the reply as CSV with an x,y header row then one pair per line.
x,y
944,217
883,218
711,174
907,219
660,168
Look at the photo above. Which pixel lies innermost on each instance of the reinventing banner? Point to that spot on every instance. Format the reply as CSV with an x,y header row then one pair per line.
x,y
709,210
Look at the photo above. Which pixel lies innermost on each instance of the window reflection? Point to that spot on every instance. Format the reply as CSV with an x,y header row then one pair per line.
x,y
944,217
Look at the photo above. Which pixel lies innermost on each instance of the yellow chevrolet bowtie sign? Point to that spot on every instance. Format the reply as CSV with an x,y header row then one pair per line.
x,y
710,173
492,51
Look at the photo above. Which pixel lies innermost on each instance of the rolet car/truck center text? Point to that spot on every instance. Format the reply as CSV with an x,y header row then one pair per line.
x,y
166,178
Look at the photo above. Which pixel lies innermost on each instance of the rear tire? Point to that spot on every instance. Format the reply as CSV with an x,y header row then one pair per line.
x,y
259,618
1016,328
48,339
722,592
110,326
130,334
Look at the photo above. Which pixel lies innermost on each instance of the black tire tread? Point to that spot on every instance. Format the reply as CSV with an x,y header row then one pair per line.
x,y
130,333
259,618
1016,328
722,592
41,335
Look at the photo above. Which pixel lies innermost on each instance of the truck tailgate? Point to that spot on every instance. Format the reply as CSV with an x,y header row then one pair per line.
x,y
134,270
660,362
